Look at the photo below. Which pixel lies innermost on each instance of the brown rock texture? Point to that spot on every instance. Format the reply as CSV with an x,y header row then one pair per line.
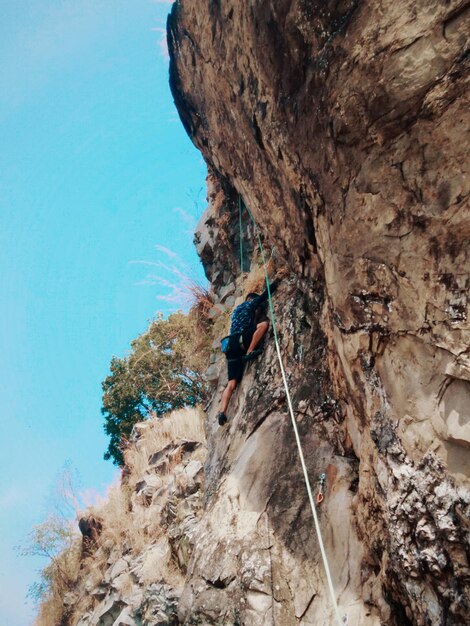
x,y
344,126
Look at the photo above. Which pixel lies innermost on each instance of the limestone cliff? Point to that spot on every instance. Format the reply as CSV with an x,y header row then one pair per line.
x,y
343,125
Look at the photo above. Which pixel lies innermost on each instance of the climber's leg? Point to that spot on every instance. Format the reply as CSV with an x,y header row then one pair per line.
x,y
229,389
235,367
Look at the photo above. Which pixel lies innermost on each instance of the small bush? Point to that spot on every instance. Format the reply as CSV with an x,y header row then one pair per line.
x,y
56,540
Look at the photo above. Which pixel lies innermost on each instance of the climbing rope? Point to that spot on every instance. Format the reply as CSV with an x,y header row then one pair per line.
x,y
240,223
294,423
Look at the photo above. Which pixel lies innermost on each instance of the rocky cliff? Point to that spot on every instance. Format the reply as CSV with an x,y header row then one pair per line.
x,y
343,125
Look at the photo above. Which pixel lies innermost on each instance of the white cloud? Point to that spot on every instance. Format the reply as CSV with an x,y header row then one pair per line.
x,y
162,42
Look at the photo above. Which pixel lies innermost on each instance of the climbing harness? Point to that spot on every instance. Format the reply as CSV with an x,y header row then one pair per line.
x,y
321,484
340,621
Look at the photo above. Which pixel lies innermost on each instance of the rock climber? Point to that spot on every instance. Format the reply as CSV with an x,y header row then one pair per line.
x,y
247,329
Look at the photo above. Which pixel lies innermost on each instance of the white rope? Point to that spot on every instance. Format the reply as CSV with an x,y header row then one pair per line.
x,y
297,437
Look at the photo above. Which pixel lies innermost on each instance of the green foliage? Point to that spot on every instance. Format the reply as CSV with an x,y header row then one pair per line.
x,y
164,371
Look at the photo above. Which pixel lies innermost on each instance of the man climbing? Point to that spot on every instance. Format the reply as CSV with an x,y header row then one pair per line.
x,y
241,346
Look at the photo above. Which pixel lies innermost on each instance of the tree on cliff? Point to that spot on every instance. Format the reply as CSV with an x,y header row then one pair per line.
x,y
164,371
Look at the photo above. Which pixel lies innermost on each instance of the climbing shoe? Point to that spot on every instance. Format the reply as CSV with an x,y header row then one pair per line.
x,y
252,355
222,419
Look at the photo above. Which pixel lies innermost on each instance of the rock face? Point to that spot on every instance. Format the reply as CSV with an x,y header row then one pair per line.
x,y
133,569
344,126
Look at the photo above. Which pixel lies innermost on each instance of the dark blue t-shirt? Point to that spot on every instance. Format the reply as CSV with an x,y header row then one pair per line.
x,y
243,317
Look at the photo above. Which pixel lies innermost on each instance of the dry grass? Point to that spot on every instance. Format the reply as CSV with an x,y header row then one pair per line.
x,y
62,573
184,424
50,612
201,299
129,526
199,342
139,528
122,520
133,527
118,521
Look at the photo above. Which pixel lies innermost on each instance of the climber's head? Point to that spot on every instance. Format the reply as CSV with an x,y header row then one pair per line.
x,y
251,296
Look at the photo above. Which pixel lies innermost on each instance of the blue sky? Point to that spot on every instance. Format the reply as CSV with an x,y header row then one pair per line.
x,y
99,192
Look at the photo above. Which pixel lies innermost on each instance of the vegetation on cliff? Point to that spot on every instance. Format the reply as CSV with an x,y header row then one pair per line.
x,y
133,538
163,372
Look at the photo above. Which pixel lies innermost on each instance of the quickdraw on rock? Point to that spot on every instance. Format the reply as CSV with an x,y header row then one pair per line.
x,y
321,484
